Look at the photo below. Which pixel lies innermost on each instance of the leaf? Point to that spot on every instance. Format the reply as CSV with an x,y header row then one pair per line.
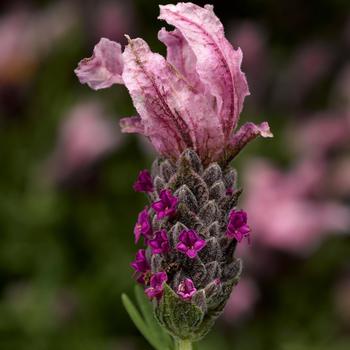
x,y
140,323
155,329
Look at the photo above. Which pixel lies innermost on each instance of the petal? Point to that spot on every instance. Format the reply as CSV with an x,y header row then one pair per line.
x,y
246,133
218,64
199,245
181,56
174,115
181,247
131,125
104,68
191,253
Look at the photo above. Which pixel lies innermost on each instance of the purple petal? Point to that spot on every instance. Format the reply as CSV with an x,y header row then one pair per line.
x,y
104,68
246,133
218,64
191,253
199,245
181,247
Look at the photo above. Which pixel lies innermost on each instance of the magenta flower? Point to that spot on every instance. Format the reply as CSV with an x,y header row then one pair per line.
x,y
143,182
160,243
191,99
166,206
141,266
190,243
143,226
156,285
186,289
237,225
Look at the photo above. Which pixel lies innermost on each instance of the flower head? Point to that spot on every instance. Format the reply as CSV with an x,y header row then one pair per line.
x,y
143,182
166,206
191,99
237,225
160,243
143,226
156,285
186,289
190,243
141,266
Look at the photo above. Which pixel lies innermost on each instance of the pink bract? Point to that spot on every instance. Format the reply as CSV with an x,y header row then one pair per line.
x,y
191,99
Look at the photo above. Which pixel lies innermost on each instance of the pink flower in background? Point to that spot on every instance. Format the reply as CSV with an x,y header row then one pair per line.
x,y
193,98
321,133
84,137
284,212
23,43
242,300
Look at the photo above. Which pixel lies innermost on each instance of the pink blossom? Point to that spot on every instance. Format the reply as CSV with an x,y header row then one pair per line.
x,y
84,137
284,212
242,300
193,98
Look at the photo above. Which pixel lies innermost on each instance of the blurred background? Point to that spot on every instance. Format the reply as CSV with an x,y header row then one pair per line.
x,y
67,208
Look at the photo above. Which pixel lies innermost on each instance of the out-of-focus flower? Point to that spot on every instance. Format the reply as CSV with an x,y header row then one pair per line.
x,y
27,36
242,300
187,100
85,136
322,133
112,18
283,212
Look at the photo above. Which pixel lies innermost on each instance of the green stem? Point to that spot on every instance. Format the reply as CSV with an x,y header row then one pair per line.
x,y
184,345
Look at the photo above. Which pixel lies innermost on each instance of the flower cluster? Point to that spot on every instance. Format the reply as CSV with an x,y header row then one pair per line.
x,y
186,245
189,106
191,99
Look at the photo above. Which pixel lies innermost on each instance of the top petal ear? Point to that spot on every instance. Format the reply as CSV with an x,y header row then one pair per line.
x,y
104,68
217,63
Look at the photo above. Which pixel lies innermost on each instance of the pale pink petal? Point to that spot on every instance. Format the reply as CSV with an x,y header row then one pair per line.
x,y
218,64
131,125
181,56
246,133
174,116
104,68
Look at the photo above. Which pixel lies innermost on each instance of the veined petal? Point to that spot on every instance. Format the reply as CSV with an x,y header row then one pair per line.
x,y
246,133
174,116
181,56
104,68
218,64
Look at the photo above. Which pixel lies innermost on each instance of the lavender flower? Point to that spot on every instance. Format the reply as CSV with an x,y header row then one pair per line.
x,y
187,100
141,266
189,106
237,226
190,243
160,243
186,289
143,226
143,182
156,285
166,206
